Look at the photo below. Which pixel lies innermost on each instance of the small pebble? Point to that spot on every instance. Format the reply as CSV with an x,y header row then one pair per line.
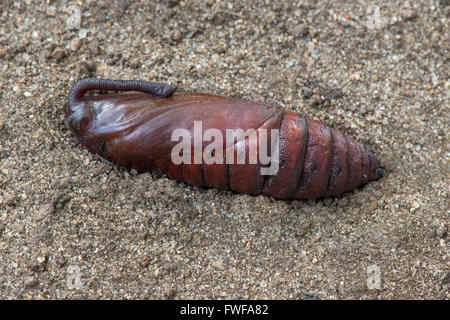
x,y
218,264
409,14
75,44
51,11
3,53
10,199
172,3
31,282
18,227
307,93
59,54
117,275
441,231
434,224
40,264
175,36
300,31
145,263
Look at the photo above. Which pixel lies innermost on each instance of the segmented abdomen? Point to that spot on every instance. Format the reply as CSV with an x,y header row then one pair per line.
x,y
328,162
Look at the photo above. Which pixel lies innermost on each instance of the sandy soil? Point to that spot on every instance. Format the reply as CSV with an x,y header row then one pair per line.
x,y
74,226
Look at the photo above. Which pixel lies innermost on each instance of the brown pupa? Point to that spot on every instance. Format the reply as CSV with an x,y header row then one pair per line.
x,y
134,129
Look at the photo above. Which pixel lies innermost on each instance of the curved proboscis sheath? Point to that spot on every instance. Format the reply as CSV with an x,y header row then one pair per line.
x,y
134,129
